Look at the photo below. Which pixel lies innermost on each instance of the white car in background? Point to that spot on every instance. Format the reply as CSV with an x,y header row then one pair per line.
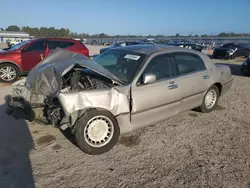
x,y
12,43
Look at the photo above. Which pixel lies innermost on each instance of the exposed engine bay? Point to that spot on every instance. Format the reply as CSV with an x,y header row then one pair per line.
x,y
78,80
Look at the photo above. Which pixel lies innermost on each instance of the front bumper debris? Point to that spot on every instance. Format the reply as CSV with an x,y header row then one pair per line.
x,y
19,108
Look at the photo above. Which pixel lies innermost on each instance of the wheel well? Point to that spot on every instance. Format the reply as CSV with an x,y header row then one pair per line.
x,y
219,86
18,68
82,112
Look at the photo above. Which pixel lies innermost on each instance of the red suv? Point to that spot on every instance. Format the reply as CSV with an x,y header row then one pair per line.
x,y
21,58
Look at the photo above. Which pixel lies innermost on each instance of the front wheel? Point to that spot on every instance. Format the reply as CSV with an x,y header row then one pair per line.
x,y
210,100
8,73
96,132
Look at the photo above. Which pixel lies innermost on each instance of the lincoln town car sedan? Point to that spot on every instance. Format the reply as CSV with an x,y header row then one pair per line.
x,y
119,91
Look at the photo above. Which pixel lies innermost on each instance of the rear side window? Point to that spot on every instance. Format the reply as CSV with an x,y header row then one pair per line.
x,y
53,44
188,63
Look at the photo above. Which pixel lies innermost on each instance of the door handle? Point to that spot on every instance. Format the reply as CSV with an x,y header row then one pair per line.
x,y
174,86
41,56
206,76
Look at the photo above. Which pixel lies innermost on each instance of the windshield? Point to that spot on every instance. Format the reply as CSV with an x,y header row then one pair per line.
x,y
19,45
118,44
122,64
114,45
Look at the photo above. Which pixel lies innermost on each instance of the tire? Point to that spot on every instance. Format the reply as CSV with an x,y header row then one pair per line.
x,y
204,108
11,69
85,138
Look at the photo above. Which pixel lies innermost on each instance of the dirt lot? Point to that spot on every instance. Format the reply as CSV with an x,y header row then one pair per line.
x,y
190,150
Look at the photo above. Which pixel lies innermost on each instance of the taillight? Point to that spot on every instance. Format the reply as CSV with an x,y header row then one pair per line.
x,y
86,52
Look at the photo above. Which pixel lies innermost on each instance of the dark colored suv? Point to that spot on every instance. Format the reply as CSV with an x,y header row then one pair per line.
x,y
22,57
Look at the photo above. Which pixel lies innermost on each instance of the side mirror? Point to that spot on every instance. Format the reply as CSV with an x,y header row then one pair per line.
x,y
149,78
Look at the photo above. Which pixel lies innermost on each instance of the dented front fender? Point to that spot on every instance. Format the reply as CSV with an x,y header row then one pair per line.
x,y
114,100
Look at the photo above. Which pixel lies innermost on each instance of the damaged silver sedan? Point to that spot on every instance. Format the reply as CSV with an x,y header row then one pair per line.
x,y
119,91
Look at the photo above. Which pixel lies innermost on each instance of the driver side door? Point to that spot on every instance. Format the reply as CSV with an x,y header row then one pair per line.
x,y
160,100
32,54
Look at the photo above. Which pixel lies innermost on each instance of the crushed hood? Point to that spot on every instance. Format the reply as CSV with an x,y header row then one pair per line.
x,y
46,77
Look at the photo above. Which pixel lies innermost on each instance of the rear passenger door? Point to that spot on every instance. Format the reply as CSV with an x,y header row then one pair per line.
x,y
194,79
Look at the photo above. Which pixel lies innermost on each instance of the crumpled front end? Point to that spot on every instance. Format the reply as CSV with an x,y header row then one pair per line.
x,y
64,86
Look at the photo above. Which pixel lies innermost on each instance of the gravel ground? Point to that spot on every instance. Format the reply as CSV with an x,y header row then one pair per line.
x,y
189,150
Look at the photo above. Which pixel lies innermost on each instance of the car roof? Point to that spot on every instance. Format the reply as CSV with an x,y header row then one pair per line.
x,y
62,39
149,49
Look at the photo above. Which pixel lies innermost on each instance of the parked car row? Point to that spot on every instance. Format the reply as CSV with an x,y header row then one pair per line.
x,y
119,91
186,44
121,44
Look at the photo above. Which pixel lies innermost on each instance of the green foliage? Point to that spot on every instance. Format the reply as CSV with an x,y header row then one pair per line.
x,y
66,33
12,28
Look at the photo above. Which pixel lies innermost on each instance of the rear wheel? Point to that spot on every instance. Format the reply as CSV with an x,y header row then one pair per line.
x,y
8,72
96,132
210,100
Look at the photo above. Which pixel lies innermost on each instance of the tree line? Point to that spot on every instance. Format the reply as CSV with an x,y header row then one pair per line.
x,y
66,33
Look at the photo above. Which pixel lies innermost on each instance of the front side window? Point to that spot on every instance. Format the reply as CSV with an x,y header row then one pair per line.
x,y
19,45
188,63
162,66
37,46
122,64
